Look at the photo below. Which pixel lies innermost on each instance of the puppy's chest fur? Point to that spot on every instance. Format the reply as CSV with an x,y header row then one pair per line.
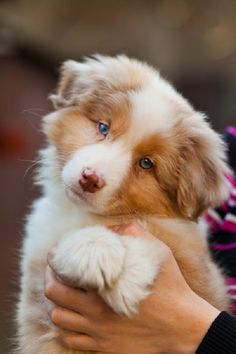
x,y
53,220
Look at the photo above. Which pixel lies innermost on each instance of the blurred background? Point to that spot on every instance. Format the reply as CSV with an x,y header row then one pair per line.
x,y
193,43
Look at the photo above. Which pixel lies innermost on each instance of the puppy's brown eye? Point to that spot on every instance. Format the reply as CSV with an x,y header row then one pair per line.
x,y
145,163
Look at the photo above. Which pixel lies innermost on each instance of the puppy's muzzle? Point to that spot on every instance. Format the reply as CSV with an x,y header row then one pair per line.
x,y
90,181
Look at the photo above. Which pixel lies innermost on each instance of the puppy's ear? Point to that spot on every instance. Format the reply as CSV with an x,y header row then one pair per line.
x,y
202,169
67,87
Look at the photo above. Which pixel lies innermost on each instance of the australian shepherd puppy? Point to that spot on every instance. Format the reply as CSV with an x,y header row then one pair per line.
x,y
123,145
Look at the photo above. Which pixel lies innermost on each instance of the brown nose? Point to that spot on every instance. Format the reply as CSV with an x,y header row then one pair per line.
x,y
90,181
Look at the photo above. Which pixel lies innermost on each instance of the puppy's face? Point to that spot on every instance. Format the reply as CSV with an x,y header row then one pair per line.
x,y
128,143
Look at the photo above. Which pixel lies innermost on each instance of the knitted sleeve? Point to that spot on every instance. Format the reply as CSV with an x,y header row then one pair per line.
x,y
222,222
221,336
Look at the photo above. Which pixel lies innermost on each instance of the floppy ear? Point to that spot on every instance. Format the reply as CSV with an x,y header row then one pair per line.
x,y
202,169
65,95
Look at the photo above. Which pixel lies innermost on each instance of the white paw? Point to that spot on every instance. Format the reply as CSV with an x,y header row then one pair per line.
x,y
90,258
141,266
121,268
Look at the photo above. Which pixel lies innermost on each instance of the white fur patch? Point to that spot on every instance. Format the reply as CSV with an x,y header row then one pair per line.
x,y
115,265
156,108
90,257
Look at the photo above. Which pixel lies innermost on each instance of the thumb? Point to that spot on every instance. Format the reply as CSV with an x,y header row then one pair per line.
x,y
132,229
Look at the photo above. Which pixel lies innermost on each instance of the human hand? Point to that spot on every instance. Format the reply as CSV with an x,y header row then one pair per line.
x,y
172,319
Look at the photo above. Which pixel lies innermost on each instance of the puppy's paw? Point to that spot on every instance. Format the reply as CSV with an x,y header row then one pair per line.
x,y
90,258
121,268
141,266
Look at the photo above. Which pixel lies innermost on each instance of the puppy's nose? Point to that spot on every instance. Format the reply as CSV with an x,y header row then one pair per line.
x,y
90,181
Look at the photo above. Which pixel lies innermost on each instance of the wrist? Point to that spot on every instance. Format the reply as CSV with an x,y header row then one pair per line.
x,y
196,319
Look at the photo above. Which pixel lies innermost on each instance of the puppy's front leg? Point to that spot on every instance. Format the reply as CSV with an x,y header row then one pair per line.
x,y
121,268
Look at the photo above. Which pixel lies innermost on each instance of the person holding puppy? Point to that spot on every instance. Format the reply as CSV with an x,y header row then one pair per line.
x,y
173,319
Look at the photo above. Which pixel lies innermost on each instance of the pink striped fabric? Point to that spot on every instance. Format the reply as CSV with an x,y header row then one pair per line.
x,y
223,247
231,130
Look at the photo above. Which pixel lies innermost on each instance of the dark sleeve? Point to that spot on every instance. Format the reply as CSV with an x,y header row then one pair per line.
x,y
221,336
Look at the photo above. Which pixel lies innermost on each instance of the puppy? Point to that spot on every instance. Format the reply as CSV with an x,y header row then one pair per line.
x,y
123,145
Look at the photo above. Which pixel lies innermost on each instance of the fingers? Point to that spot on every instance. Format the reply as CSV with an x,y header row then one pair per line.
x,y
133,229
62,295
70,320
87,303
78,342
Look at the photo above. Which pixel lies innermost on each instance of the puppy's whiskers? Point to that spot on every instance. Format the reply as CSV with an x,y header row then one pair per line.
x,y
31,167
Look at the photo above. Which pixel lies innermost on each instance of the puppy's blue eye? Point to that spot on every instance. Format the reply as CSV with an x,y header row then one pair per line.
x,y
103,128
145,163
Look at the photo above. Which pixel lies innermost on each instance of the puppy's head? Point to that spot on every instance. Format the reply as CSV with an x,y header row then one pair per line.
x,y
128,143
